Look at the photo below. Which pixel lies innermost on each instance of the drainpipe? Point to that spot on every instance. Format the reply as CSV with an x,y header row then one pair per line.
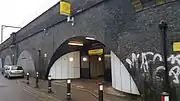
x,y
163,27
39,61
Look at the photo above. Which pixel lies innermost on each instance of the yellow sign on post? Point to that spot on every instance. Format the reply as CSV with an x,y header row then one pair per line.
x,y
65,8
176,46
95,52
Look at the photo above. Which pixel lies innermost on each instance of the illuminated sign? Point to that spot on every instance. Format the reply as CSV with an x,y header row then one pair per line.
x,y
75,43
95,52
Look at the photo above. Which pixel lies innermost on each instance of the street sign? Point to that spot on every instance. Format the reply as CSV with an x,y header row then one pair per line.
x,y
65,8
176,46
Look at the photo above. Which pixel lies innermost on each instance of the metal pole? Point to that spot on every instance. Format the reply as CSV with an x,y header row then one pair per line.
x,y
100,92
163,27
37,79
39,60
49,84
165,96
68,89
27,78
2,26
11,26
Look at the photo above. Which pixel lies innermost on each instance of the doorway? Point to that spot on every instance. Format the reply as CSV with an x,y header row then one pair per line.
x,y
92,64
96,66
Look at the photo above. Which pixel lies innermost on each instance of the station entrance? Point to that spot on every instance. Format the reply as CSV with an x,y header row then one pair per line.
x,y
92,64
79,57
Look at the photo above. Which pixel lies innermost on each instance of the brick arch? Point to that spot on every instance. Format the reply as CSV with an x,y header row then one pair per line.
x,y
8,60
63,49
25,60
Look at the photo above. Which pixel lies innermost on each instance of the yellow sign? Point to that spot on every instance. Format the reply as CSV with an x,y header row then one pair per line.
x,y
95,52
176,46
159,2
65,8
137,5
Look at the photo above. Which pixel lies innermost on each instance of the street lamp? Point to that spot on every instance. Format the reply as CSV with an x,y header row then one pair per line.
x,y
2,27
163,26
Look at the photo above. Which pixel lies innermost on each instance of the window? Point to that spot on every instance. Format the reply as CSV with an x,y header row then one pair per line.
x,y
16,68
19,68
13,68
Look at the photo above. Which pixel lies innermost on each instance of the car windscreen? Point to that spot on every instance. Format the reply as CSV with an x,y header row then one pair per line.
x,y
17,68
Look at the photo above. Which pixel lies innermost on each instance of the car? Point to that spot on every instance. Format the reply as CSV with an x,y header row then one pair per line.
x,y
3,69
13,71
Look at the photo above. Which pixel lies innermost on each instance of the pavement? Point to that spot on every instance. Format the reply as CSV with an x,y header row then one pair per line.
x,y
12,90
81,90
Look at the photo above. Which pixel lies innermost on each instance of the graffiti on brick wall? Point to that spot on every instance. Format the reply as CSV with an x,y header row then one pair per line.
x,y
134,63
175,70
143,61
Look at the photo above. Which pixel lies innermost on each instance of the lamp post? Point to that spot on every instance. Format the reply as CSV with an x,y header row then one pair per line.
x,y
2,28
163,26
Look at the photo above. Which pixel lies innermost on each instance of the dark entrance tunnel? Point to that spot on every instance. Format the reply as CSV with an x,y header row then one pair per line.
x,y
81,44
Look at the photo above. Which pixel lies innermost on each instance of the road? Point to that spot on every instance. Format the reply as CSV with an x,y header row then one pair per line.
x,y
11,90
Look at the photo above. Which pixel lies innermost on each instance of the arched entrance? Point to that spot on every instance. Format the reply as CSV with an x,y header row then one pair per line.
x,y
83,57
8,60
78,57
25,60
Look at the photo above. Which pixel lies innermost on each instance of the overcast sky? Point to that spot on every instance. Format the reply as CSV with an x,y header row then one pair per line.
x,y
21,12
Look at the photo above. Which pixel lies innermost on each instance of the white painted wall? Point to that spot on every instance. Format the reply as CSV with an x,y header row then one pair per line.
x,y
25,60
8,60
1,63
121,78
64,69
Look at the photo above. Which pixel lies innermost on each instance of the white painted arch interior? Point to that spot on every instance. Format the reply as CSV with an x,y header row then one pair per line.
x,y
67,66
121,78
1,65
25,60
8,60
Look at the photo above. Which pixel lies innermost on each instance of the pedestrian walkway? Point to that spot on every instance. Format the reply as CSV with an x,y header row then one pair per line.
x,y
92,86
82,90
